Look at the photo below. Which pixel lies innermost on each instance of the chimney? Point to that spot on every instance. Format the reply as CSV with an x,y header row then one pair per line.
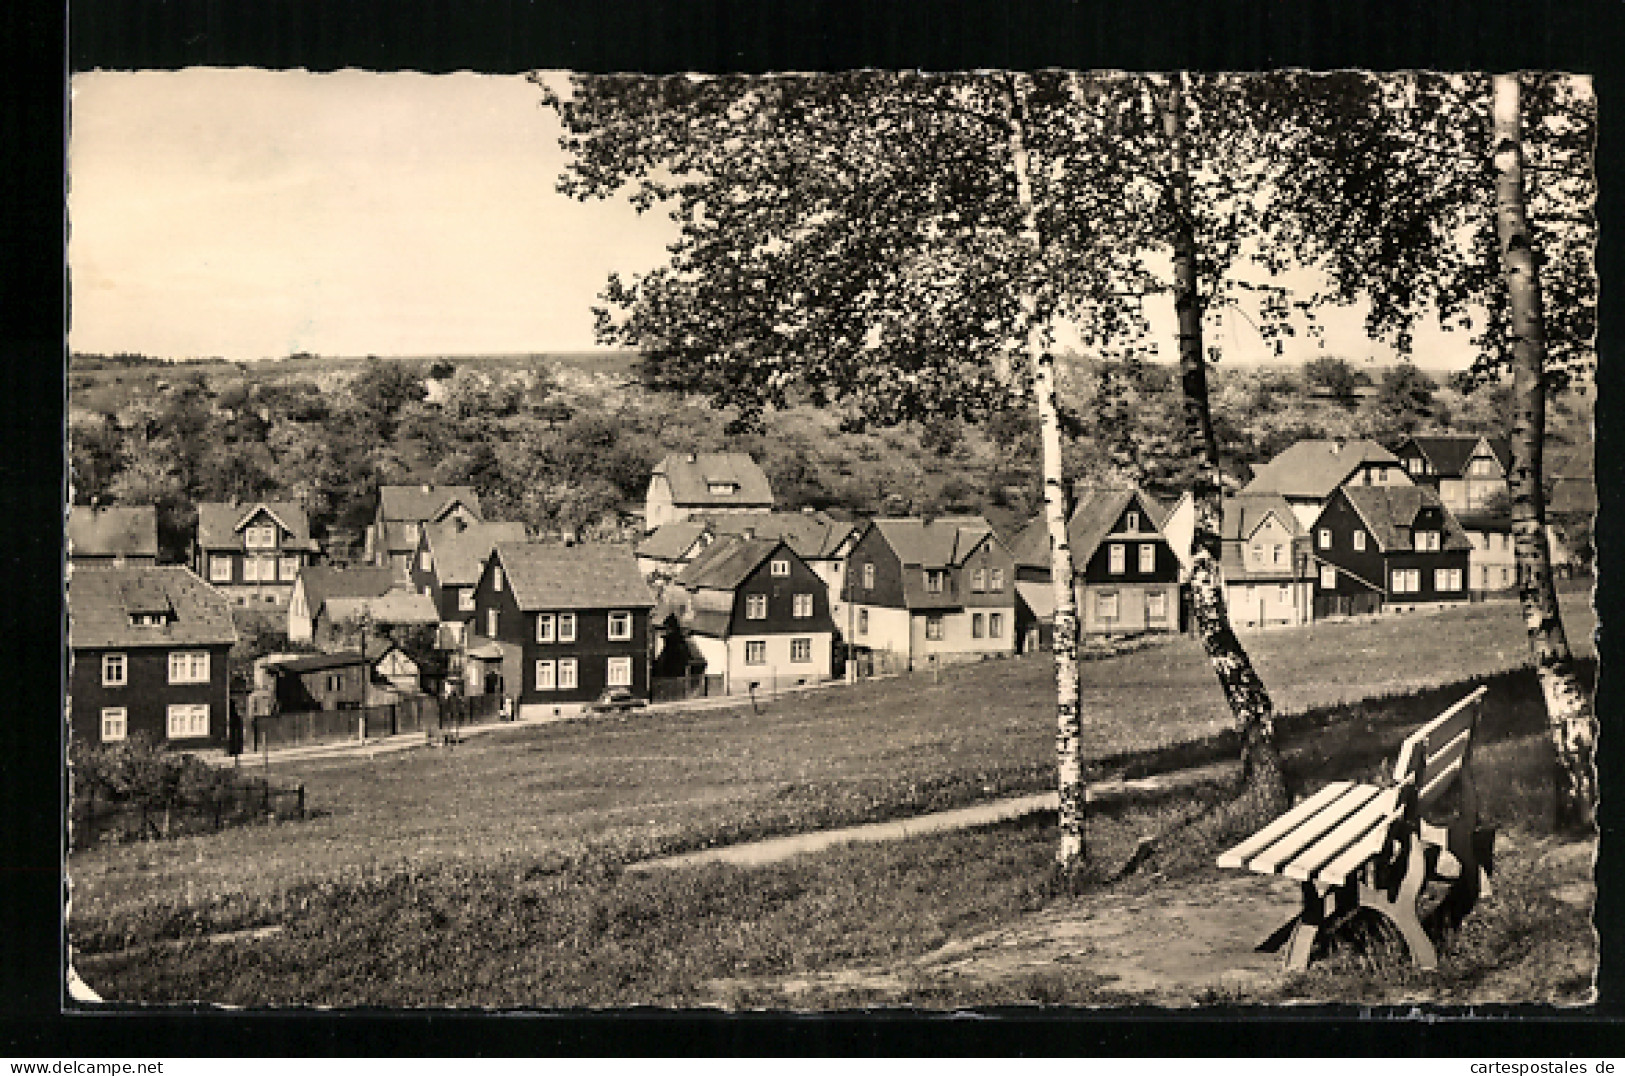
x,y
427,488
690,457
749,533
1337,446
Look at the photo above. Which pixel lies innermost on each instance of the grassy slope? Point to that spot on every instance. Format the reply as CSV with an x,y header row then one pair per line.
x,y
551,795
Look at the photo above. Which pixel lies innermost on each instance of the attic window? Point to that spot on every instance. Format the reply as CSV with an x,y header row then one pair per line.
x,y
149,620
722,489
781,567
1131,522
1427,541
1416,465
260,536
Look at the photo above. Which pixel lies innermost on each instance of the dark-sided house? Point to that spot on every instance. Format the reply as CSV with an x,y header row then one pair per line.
x,y
685,483
554,626
942,588
1269,580
403,511
819,539
252,552
343,680
1127,573
316,584
112,536
447,565
1387,549
756,613
149,650
1307,472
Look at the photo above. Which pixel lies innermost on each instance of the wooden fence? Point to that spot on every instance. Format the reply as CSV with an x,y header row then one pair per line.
x,y
418,713
678,688
94,818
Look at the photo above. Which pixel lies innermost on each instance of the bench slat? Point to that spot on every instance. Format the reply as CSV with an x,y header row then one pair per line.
x,y
1238,856
1287,848
1442,769
1354,832
1440,731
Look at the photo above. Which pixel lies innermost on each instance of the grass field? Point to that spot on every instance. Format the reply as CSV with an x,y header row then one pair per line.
x,y
410,848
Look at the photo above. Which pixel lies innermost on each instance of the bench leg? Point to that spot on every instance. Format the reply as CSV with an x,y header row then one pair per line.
x,y
1306,928
1397,904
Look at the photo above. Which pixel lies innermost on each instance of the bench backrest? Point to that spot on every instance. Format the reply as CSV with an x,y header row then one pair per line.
x,y
1433,755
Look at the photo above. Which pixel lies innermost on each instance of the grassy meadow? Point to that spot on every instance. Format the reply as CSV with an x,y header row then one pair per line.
x,y
489,874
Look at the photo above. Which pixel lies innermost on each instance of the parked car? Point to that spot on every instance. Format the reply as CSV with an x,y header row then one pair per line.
x,y
617,699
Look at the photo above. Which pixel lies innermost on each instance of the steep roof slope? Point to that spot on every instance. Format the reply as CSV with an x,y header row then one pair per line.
x,y
129,530
322,583
727,562
692,475
1244,513
461,550
1449,453
813,535
219,523
392,607
1387,510
943,542
424,503
1314,468
671,541
573,577
101,604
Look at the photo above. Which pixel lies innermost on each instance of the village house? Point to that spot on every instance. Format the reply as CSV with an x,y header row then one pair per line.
x,y
112,536
252,552
1307,472
392,537
756,614
340,621
1393,548
941,589
714,483
149,655
667,550
554,626
342,680
317,583
1469,473
447,565
1264,560
1127,573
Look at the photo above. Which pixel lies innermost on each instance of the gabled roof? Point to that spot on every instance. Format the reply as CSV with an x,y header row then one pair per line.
x,y
728,561
393,607
220,523
315,662
1315,468
691,476
323,583
1387,509
124,530
424,503
671,541
1031,545
1245,513
813,535
101,603
944,542
1097,512
573,577
1449,454
461,550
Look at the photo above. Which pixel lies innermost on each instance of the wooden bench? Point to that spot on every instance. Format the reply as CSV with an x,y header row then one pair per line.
x,y
1367,846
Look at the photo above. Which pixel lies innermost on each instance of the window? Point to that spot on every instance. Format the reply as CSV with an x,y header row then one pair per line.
x,y
756,652
722,489
933,627
546,676
1148,558
803,605
335,681
251,569
779,567
1483,468
618,672
290,569
1106,606
1405,580
933,581
1415,464
1131,522
1117,560
1277,554
1328,577
411,532
1156,605
863,622
115,724
188,720
1447,580
756,607
115,670
567,674
995,580
1365,477
219,569
567,628
1256,551
1427,541
189,667
801,650
978,580
496,579
1325,537
465,599
995,625
544,627
1283,594
1359,541
260,536
868,577
977,627
620,627
425,561
491,623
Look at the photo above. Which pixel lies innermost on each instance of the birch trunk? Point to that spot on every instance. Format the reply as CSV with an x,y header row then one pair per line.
x,y
1249,701
1569,714
1068,719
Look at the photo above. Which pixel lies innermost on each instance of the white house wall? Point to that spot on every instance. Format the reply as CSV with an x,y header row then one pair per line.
x,y
888,628
957,642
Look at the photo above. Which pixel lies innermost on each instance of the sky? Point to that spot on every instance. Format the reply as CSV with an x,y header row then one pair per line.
x,y
252,214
